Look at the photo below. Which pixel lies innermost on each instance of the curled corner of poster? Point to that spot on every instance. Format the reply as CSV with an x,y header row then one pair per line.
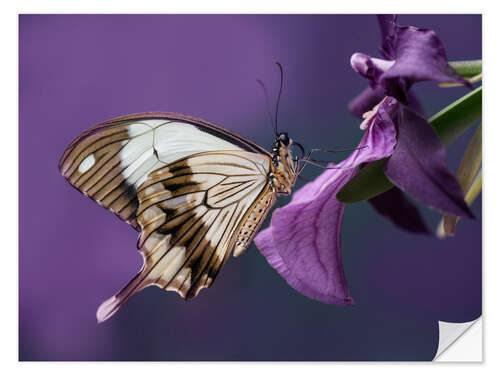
x,y
460,342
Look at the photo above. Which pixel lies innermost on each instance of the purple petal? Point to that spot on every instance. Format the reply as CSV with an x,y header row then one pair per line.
x,y
410,55
419,56
400,210
418,166
369,98
387,23
370,68
303,245
303,241
414,104
365,101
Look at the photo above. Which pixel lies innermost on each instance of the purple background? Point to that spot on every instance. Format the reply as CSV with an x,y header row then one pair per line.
x,y
79,70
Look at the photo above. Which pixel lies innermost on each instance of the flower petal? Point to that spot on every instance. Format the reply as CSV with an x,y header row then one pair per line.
x,y
400,210
414,103
369,98
370,68
303,245
410,55
418,166
303,240
387,23
366,100
419,56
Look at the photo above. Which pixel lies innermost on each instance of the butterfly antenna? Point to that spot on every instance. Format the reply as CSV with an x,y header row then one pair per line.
x,y
268,107
279,98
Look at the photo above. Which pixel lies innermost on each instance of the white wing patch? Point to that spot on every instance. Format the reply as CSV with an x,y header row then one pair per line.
x,y
156,143
86,164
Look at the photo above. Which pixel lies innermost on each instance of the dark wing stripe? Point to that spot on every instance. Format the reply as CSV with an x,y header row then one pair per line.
x,y
231,188
207,225
228,196
84,149
200,243
213,263
99,169
122,201
216,263
193,228
237,183
107,184
109,171
165,225
201,276
199,264
78,145
128,212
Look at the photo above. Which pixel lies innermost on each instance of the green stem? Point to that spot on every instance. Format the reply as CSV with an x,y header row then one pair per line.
x,y
449,124
468,68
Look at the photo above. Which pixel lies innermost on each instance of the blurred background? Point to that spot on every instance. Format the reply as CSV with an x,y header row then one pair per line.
x,y
78,70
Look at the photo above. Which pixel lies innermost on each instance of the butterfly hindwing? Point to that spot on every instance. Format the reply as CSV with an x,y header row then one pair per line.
x,y
190,214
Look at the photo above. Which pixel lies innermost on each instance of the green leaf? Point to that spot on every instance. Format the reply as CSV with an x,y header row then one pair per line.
x,y
467,176
370,181
468,68
449,123
456,118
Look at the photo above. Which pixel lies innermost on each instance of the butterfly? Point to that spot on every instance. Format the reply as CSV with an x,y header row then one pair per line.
x,y
193,190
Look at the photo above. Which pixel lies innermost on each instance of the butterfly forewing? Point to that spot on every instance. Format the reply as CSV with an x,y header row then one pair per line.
x,y
108,162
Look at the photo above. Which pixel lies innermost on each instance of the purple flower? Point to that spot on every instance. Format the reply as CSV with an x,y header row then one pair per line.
x,y
303,240
409,55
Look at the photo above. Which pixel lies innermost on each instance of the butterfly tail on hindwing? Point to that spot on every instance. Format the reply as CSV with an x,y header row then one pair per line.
x,y
109,307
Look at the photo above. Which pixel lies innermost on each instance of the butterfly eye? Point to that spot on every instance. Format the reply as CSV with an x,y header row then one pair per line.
x,y
283,137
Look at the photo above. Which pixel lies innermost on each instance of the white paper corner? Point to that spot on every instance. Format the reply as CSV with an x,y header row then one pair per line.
x,y
460,342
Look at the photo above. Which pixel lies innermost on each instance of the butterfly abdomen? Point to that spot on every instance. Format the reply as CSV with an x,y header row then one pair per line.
x,y
251,225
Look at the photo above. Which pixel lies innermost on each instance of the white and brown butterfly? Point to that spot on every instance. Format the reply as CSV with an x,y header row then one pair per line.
x,y
193,190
